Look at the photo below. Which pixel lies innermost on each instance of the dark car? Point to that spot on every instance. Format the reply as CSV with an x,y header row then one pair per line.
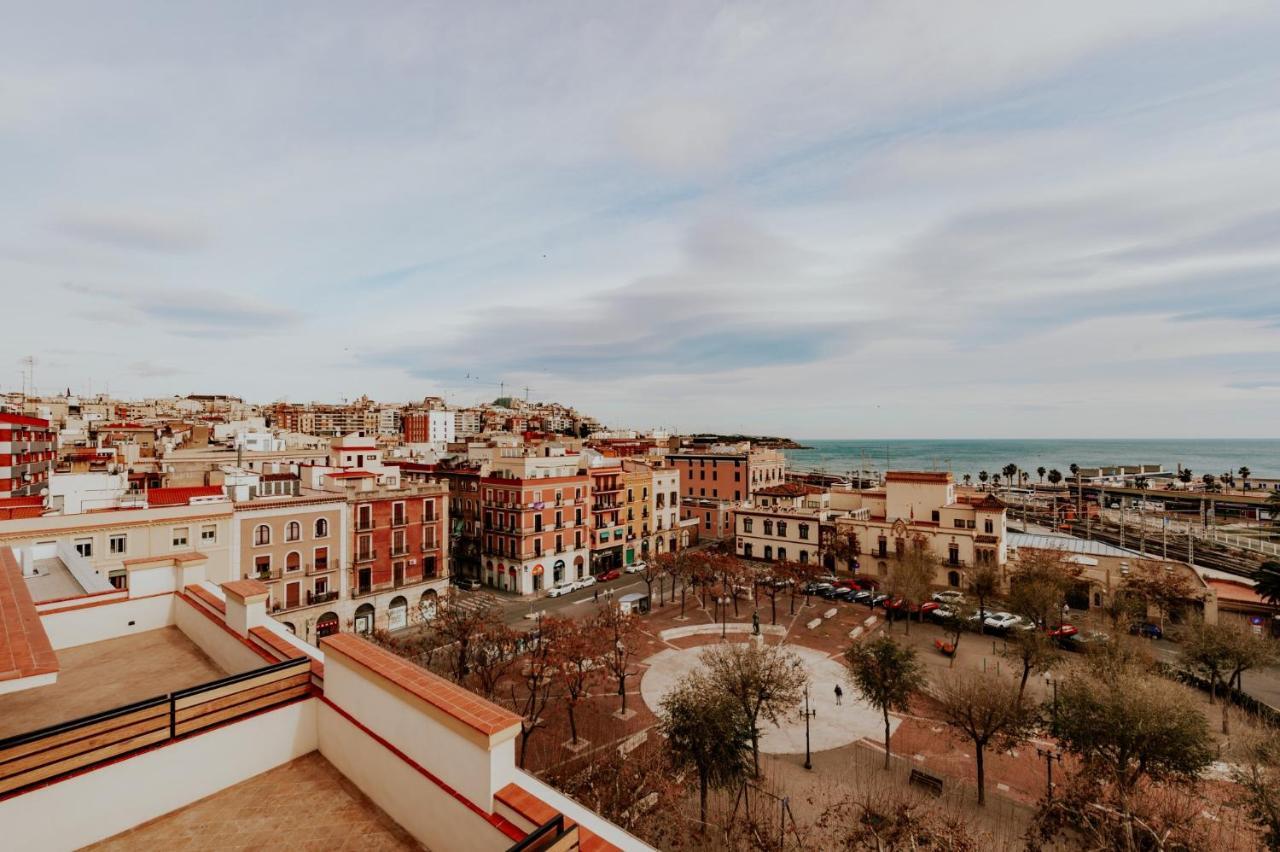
x,y
845,594
466,583
830,592
608,575
1147,630
862,596
1081,642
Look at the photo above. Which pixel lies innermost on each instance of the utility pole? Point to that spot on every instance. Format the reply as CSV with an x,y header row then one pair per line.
x,y
1049,756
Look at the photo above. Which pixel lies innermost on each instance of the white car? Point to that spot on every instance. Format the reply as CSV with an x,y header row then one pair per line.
x,y
564,589
585,582
636,568
1001,621
949,597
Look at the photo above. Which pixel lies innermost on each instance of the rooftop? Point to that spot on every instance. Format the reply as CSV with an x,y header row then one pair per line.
x,y
1068,544
104,675
24,647
306,801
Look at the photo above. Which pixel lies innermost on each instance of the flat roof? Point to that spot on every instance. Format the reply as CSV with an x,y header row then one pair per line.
x,y
24,647
1069,544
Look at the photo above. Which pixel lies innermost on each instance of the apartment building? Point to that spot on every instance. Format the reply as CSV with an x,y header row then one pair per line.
x,y
293,545
537,520
715,478
428,427
465,514
637,511
28,449
608,530
960,530
784,523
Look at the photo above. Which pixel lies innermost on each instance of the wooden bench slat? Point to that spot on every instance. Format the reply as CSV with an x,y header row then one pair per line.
x,y
242,709
197,710
91,730
239,686
53,755
81,760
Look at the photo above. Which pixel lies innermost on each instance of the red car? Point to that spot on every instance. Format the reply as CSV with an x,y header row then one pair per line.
x,y
1062,631
608,575
928,607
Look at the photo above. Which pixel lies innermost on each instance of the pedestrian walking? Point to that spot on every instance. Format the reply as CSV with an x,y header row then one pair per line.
x,y
839,694
597,595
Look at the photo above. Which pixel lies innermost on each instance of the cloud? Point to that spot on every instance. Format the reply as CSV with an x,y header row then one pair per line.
x,y
192,312
134,232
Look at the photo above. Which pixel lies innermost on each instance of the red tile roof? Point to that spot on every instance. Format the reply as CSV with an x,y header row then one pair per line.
x,y
24,647
539,812
1234,591
462,704
245,588
180,496
206,597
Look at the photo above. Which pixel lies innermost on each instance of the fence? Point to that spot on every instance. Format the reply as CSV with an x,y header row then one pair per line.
x,y
551,836
48,753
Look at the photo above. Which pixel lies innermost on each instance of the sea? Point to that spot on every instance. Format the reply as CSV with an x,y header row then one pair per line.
x,y
1216,456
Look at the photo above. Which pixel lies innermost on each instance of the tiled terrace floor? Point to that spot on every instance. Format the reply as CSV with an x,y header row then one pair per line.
x,y
303,805
103,675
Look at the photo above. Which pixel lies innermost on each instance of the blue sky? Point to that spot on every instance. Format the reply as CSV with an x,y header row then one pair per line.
x,y
846,219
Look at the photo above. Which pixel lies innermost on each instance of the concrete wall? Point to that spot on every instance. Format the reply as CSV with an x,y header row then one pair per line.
x,y
96,623
114,798
228,651
421,807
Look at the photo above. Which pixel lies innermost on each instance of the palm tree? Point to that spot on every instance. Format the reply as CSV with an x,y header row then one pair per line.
x,y
1184,476
1208,480
1268,583
983,476
1010,470
1055,476
995,480
1140,483
1245,473
967,480
1040,470
1074,468
1273,505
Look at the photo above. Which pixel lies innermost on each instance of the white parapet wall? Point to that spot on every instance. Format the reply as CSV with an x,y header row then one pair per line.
x,y
92,806
210,632
97,622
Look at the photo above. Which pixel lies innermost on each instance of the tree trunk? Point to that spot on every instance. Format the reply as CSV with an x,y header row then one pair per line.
x,y
622,692
908,621
524,743
773,605
886,738
702,802
982,776
682,601
1026,673
1226,703
573,725
755,750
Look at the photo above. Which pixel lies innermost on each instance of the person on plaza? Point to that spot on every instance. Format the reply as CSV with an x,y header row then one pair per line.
x,y
839,694
597,595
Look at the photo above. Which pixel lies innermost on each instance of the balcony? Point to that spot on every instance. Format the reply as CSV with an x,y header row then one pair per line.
x,y
320,597
399,551
320,567
428,546
367,555
365,526
263,576
400,522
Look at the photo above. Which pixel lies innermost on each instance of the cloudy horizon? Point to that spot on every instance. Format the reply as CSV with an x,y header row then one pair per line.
x,y
864,219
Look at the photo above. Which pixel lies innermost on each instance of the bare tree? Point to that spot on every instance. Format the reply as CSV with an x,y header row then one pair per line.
x,y
577,661
537,676
617,631
1160,585
765,681
1033,650
457,626
987,708
1039,582
886,675
889,820
1222,653
984,584
492,655
1256,761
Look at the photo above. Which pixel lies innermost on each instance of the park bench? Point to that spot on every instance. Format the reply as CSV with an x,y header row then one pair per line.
x,y
932,783
945,648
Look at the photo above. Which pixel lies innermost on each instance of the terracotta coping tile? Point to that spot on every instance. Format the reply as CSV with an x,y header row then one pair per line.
x,y
24,646
461,704
539,812
207,597
245,588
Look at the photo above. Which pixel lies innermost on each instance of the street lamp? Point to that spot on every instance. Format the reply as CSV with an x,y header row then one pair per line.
x,y
1053,682
808,714
1049,756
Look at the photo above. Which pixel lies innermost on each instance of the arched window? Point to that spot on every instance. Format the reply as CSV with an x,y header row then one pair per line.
x,y
292,531
288,625
398,613
768,552
322,527
427,604
292,561
327,625
364,619
261,535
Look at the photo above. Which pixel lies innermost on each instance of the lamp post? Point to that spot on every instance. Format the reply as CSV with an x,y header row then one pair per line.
x,y
1049,756
1053,682
808,714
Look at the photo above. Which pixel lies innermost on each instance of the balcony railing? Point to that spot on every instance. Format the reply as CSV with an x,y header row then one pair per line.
x,y
321,597
400,551
367,555
399,522
365,526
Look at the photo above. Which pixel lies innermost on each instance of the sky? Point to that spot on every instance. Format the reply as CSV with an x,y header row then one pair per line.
x,y
823,219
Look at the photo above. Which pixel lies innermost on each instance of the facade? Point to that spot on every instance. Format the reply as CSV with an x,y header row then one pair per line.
x,y
428,427
637,512
960,530
716,478
784,523
608,530
537,521
294,546
28,448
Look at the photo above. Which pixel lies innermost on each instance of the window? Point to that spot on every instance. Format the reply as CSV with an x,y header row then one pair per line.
x,y
118,543
262,566
804,531
746,550
261,535
84,546
768,527
804,557
428,510
293,562
782,554
209,533
397,514
321,557
747,524
293,531
959,523
180,536
987,525
953,554
768,552
322,528
737,495
782,528
936,515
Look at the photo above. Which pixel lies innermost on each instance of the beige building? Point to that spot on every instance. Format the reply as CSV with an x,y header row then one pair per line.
x,y
295,547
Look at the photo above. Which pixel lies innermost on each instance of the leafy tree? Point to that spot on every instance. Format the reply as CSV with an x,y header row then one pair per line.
x,y
1039,582
986,708
1040,471
886,675
984,584
954,626
1185,476
618,631
764,680
1126,724
843,547
1223,653
1256,771
1273,506
1208,479
1267,583
1055,476
1160,585
707,730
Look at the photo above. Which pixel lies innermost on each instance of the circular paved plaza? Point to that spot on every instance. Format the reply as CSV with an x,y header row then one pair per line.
x,y
831,728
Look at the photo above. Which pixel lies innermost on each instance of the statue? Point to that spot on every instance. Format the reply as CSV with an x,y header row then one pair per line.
x,y
755,623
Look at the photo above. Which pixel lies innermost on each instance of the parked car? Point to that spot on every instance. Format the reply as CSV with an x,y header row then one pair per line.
x,y
866,583
877,600
1063,631
817,588
612,574
829,592
1147,630
586,582
941,614
562,589
844,594
862,596
948,597
469,584
1080,642
636,568
1002,622
929,606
